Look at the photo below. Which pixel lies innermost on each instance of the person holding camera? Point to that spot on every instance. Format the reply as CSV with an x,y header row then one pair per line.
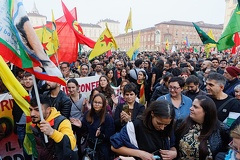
x,y
130,110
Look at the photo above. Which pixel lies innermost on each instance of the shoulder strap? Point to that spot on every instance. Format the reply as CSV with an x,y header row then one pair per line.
x,y
224,104
75,103
135,71
57,121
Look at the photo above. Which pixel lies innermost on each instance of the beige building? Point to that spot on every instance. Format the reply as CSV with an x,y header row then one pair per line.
x,y
230,6
112,25
154,38
35,18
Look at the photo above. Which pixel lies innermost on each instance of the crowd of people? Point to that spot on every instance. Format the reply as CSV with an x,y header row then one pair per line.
x,y
170,106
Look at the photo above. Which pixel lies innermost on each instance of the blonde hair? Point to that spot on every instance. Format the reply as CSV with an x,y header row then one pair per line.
x,y
235,133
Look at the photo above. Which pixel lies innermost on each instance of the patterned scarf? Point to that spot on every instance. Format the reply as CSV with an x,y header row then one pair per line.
x,y
142,99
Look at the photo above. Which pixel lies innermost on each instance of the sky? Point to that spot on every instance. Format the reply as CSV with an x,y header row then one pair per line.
x,y
145,13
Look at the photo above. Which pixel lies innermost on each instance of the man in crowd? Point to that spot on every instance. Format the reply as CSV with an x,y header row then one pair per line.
x,y
231,74
66,71
193,90
223,64
215,65
225,104
98,70
58,98
118,68
84,70
18,115
110,64
61,140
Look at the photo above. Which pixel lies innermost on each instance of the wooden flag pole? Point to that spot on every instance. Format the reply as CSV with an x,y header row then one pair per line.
x,y
39,104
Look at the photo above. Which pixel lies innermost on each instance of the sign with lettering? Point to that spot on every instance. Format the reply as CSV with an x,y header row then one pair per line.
x,y
9,148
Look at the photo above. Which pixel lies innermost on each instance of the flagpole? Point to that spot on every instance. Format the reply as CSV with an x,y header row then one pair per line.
x,y
39,104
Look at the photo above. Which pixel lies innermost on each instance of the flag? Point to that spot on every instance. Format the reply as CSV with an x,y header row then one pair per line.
x,y
54,35
129,21
236,41
233,26
133,51
45,36
187,42
195,50
173,49
167,45
105,42
210,45
203,36
74,25
22,98
109,53
20,45
68,52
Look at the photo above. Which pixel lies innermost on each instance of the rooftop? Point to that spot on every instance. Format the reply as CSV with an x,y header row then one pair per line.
x,y
185,23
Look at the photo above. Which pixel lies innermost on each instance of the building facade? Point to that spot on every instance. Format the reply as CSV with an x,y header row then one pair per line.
x,y
175,32
230,6
112,25
35,18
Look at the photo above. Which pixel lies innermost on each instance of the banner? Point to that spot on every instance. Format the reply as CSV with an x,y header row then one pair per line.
x,y
87,84
9,148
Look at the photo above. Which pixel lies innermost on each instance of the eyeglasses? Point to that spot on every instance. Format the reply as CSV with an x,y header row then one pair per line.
x,y
173,88
97,103
233,147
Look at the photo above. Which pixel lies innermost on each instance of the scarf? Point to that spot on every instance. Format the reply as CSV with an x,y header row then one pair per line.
x,y
142,99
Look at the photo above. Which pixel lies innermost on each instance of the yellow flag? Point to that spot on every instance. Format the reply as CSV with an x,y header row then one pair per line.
x,y
129,21
210,45
167,45
105,43
134,47
45,36
54,35
19,94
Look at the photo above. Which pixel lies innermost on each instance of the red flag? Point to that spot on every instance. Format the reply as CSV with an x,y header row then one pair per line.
x,y
109,53
74,25
236,41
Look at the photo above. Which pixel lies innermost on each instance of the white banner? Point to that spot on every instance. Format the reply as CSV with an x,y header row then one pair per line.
x,y
87,84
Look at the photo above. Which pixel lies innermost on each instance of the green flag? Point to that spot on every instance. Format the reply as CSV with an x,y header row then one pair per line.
x,y
203,36
233,26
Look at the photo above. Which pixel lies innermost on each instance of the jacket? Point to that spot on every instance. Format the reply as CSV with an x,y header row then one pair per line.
x,y
137,110
62,103
61,142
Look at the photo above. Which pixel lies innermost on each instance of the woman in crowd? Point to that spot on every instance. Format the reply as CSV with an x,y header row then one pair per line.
x,y
162,89
123,76
128,111
112,80
148,135
180,102
201,135
106,89
234,152
143,88
99,125
79,107
237,91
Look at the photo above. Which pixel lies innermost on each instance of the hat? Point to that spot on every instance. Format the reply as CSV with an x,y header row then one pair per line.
x,y
233,71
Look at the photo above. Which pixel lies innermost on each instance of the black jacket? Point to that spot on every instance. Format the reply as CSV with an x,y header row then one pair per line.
x,y
137,110
159,91
62,103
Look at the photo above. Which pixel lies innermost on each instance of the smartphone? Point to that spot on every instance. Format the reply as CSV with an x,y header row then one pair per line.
x,y
126,108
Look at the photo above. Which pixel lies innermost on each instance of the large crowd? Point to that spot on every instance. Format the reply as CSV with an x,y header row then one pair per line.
x,y
170,106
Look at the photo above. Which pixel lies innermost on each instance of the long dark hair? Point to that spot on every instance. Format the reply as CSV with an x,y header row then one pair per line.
x,y
210,124
102,113
161,108
114,81
108,91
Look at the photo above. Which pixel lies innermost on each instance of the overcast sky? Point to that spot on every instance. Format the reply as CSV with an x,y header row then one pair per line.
x,y
145,13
